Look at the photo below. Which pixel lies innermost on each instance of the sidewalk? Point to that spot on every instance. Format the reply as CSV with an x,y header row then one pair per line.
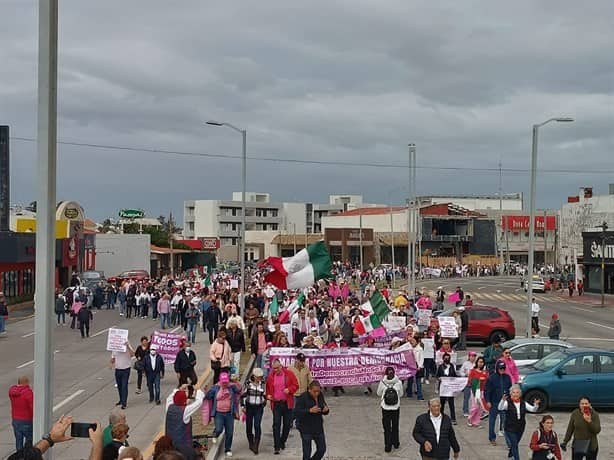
x,y
587,298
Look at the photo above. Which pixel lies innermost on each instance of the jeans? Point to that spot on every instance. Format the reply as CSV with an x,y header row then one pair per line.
x,y
23,433
281,415
390,421
253,421
153,385
122,307
121,378
513,439
212,329
61,316
410,385
164,321
139,379
259,360
320,441
236,360
493,412
224,421
466,397
192,332
450,401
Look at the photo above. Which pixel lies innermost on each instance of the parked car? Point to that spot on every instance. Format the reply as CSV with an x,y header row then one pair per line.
x,y
485,323
529,351
561,377
137,275
539,285
91,278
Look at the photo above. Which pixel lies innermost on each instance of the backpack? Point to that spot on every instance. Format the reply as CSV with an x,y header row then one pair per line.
x,y
391,397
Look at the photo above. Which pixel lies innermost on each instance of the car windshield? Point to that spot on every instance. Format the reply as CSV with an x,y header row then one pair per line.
x,y
548,362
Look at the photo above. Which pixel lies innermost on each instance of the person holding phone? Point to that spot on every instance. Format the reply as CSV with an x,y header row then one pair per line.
x,y
310,407
544,442
584,425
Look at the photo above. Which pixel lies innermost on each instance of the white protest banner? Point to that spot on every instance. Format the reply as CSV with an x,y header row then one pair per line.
x,y
287,329
116,340
394,323
451,386
234,284
424,317
447,327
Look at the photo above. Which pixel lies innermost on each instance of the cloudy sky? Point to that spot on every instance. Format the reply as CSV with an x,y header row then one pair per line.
x,y
349,81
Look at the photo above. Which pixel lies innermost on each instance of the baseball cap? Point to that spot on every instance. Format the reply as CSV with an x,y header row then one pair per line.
x,y
257,372
180,398
472,353
300,357
153,346
501,365
224,377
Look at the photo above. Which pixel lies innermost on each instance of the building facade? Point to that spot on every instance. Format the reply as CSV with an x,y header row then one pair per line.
x,y
598,248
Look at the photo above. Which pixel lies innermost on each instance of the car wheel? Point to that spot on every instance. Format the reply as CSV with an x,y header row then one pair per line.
x,y
500,334
537,394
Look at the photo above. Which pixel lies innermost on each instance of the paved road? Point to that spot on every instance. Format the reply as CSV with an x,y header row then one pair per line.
x,y
84,383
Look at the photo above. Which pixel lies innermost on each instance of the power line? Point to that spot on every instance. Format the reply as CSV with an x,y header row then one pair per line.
x,y
314,162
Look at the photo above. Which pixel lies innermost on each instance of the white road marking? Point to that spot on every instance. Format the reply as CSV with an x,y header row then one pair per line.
x,y
482,287
175,330
67,400
25,364
28,335
103,331
583,309
519,289
600,325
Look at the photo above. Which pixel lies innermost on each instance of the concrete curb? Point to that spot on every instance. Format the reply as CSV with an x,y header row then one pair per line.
x,y
148,452
217,450
20,306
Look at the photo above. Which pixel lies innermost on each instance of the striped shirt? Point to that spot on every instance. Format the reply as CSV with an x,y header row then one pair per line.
x,y
254,394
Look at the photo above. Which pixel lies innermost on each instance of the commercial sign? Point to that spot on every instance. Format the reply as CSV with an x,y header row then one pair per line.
x,y
595,249
521,223
131,213
210,243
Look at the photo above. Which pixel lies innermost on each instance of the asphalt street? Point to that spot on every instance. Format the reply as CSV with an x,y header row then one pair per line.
x,y
84,382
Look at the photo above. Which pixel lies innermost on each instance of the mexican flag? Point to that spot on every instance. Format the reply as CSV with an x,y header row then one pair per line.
x,y
301,270
375,310
297,303
207,281
274,306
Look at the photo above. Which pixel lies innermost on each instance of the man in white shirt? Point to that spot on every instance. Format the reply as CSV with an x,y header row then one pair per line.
x,y
121,361
435,434
535,309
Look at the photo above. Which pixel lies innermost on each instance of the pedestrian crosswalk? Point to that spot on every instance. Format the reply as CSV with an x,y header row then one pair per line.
x,y
521,297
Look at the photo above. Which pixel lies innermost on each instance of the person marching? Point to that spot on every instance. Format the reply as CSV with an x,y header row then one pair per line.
x,y
281,386
515,418
544,442
390,390
253,401
310,407
584,425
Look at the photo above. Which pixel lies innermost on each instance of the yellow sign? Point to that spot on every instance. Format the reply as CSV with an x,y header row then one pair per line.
x,y
25,225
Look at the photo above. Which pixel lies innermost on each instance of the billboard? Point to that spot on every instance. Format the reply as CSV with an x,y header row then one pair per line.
x,y
521,223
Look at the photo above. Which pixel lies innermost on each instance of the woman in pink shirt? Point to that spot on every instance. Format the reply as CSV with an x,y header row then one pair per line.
x,y
510,366
220,355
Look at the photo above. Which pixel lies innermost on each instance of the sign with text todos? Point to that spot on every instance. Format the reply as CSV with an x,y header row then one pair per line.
x,y
351,366
116,339
168,344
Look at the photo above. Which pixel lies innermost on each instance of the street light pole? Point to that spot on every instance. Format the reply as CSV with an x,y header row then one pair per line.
x,y
411,230
531,261
604,228
243,133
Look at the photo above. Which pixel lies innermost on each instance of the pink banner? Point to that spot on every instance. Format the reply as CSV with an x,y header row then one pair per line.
x,y
168,345
351,366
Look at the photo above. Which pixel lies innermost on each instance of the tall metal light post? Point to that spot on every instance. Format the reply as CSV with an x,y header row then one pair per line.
x,y
532,215
604,228
243,133
411,224
44,297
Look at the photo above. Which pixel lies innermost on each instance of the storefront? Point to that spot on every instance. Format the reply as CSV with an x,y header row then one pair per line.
x,y
598,248
345,244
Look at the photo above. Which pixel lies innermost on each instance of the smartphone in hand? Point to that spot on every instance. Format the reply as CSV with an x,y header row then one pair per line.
x,y
81,430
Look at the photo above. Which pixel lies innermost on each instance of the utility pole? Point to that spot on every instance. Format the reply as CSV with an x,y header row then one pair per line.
x,y
500,239
392,243
294,226
411,240
545,241
604,228
170,244
360,240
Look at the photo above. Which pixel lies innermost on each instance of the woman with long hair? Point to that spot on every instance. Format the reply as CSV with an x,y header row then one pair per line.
x,y
476,380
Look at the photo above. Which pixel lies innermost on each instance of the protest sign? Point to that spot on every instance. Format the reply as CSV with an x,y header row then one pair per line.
x,y
454,297
430,272
385,341
351,366
424,317
451,386
116,339
234,284
447,327
287,329
394,323
168,344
